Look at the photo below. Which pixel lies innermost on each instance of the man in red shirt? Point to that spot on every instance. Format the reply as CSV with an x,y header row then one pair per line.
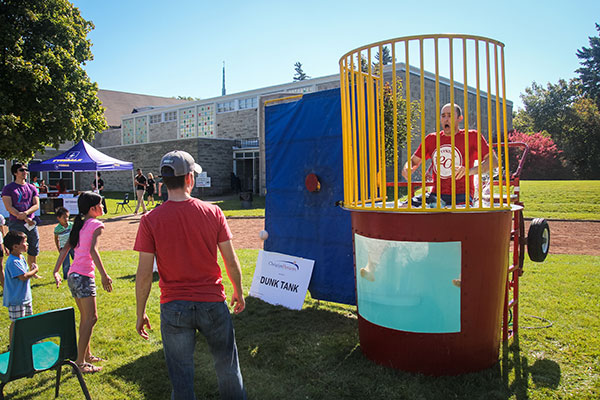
x,y
460,170
184,234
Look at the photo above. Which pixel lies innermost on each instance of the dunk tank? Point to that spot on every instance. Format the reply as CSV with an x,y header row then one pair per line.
x,y
436,288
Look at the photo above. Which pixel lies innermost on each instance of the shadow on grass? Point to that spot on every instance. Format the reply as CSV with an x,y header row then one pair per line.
x,y
545,373
149,374
315,353
131,278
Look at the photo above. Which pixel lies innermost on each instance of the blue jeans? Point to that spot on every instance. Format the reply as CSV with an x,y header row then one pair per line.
x,y
33,237
66,265
179,321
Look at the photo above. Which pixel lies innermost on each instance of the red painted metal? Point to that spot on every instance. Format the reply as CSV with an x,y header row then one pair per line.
x,y
312,183
484,238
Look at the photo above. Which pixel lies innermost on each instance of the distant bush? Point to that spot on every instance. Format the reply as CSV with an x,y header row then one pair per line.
x,y
544,160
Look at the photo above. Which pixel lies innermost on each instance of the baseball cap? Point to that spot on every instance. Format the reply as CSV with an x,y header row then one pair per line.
x,y
178,163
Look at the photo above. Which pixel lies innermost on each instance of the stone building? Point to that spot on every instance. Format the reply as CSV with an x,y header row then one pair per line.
x,y
224,134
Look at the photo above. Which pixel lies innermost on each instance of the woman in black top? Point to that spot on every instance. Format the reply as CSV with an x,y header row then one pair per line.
x,y
150,189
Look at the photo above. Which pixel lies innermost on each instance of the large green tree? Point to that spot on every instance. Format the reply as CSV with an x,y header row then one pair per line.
x,y
46,97
570,118
589,73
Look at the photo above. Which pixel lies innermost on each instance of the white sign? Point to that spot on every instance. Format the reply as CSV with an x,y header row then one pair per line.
x,y
203,181
70,203
281,279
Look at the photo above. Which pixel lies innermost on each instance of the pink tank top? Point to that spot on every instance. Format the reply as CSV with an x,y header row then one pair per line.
x,y
83,263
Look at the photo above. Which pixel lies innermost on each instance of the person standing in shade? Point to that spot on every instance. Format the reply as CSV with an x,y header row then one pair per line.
x,y
150,188
183,234
99,190
162,191
140,188
21,200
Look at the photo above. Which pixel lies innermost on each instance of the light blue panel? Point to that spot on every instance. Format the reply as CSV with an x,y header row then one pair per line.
x,y
409,286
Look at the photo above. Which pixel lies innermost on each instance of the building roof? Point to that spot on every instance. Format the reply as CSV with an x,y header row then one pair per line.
x,y
116,104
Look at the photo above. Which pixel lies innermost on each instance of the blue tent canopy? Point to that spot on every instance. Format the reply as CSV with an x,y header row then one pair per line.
x,y
81,157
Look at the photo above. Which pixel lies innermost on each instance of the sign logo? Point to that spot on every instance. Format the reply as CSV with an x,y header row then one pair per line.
x,y
73,154
284,264
446,160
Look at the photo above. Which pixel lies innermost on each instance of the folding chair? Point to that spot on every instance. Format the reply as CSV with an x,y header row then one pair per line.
x,y
123,204
29,356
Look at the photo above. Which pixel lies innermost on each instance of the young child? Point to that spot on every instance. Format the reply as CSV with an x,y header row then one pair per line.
x,y
81,278
61,237
17,289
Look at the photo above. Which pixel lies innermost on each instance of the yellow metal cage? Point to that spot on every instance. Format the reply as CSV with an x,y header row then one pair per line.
x,y
391,100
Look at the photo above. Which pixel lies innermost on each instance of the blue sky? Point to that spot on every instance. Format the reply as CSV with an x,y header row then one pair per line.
x,y
177,48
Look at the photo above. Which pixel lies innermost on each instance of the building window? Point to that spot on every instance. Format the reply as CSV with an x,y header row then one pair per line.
x,y
251,102
55,176
155,119
227,106
33,174
187,123
127,131
206,119
302,90
171,116
141,129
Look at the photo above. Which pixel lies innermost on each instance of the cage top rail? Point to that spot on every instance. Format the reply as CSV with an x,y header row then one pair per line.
x,y
421,37
374,132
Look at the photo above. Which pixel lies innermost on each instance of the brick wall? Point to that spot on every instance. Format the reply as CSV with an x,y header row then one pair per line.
x,y
214,155
237,124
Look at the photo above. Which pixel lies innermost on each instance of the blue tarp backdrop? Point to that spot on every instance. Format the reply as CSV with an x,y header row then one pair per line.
x,y
301,138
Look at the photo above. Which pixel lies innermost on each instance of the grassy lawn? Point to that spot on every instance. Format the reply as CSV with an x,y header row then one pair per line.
x,y
315,353
561,199
579,200
230,204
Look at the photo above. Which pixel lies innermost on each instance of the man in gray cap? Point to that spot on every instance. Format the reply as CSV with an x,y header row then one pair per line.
x,y
184,234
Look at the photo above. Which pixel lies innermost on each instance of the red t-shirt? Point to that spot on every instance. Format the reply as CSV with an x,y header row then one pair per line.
x,y
184,237
446,159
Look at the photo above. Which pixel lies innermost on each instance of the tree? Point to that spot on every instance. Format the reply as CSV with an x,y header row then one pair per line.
x,y
589,73
388,118
583,147
46,98
385,58
571,119
544,159
299,75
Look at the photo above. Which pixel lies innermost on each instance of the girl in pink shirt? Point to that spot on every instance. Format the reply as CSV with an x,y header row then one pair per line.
x,y
81,279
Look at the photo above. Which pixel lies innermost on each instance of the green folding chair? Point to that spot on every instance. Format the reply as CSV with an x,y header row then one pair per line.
x,y
28,355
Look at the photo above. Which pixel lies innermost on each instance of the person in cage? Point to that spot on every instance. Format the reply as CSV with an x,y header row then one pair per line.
x,y
461,171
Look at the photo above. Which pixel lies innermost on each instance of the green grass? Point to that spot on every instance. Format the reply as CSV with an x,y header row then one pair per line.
x,y
230,204
315,353
579,200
